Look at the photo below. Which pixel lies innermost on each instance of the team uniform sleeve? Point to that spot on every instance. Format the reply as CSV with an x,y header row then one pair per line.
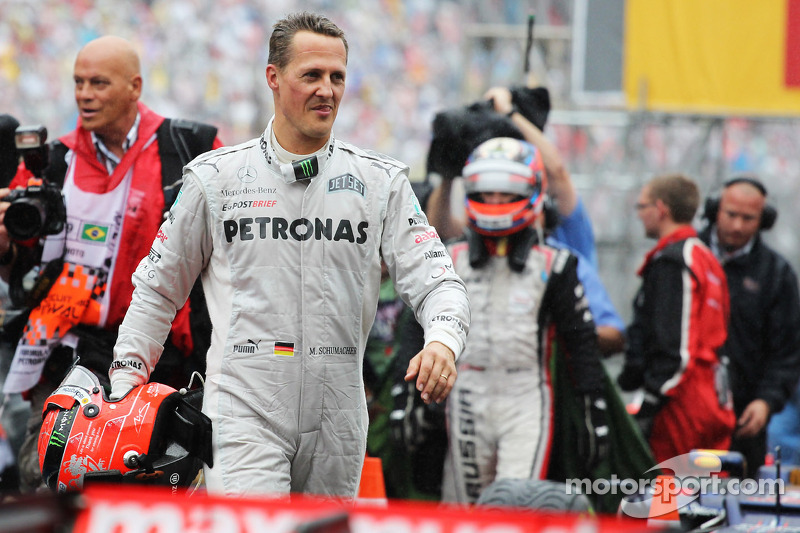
x,y
162,283
565,298
666,287
422,269
632,375
603,310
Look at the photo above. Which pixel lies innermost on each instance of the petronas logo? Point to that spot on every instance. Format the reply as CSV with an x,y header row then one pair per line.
x,y
306,168
94,233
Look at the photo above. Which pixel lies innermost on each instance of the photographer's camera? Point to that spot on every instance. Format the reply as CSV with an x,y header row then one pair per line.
x,y
37,209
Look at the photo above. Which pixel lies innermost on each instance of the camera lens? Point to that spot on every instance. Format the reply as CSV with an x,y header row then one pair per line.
x,y
25,218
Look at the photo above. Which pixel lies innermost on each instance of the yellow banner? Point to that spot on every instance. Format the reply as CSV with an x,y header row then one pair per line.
x,y
708,56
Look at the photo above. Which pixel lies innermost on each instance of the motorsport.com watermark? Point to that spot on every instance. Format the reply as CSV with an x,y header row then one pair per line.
x,y
688,476
689,485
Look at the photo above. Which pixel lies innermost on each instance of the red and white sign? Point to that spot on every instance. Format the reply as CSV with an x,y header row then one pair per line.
x,y
155,510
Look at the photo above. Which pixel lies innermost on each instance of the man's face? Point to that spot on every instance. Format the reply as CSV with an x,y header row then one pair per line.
x,y
498,197
739,216
649,213
308,91
105,92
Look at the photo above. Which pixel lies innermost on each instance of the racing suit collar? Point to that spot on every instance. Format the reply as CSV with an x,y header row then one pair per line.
x,y
682,233
302,169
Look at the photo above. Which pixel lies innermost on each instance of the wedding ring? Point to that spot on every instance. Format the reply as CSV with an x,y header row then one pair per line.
x,y
443,376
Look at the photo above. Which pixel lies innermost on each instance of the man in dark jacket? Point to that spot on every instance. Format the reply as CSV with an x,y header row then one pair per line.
x,y
763,338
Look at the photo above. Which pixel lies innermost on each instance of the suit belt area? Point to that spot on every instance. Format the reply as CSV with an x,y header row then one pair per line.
x,y
511,370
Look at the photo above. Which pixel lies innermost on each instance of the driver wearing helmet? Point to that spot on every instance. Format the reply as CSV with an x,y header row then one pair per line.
x,y
521,292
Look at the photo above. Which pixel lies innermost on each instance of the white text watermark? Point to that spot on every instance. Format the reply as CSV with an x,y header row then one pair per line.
x,y
677,482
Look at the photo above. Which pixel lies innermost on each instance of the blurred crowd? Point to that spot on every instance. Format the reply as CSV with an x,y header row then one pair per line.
x,y
409,60
204,59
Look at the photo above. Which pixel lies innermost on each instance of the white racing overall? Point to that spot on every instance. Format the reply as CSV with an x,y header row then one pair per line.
x,y
291,272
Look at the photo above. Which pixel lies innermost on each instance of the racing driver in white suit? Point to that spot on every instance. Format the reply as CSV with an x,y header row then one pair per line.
x,y
288,231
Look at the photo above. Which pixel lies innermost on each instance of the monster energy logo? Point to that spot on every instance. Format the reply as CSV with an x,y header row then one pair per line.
x,y
57,439
306,168
62,426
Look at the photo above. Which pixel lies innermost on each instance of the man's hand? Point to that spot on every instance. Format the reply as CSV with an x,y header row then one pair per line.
x,y
501,99
559,185
435,370
754,417
120,388
121,383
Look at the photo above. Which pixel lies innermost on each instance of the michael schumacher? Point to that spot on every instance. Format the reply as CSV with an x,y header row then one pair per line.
x,y
289,249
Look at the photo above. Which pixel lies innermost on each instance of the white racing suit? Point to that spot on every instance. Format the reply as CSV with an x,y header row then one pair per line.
x,y
499,413
291,271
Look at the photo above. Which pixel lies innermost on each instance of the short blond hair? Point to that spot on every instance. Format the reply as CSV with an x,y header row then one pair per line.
x,y
679,193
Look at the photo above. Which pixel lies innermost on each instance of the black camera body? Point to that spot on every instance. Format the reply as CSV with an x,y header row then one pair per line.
x,y
38,209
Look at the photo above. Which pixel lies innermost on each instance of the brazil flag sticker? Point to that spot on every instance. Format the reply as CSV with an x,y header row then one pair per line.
x,y
94,233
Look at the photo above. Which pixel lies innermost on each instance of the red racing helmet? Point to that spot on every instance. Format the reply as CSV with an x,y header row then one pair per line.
x,y
153,435
504,165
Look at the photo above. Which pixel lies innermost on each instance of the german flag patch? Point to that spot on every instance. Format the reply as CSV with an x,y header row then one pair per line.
x,y
284,348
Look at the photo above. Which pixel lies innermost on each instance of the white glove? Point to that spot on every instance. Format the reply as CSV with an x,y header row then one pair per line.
x,y
121,386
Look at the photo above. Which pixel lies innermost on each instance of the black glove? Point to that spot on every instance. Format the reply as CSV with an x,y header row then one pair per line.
x,y
631,378
645,416
594,437
412,421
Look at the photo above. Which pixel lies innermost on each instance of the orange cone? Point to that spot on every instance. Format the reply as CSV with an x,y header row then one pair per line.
x,y
664,505
372,489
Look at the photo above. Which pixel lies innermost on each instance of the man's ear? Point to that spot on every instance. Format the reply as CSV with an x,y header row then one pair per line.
x,y
136,87
663,209
272,76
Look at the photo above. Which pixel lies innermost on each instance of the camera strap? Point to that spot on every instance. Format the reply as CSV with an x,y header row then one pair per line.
x,y
180,141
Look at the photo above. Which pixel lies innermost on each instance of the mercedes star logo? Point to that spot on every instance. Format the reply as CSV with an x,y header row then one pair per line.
x,y
247,174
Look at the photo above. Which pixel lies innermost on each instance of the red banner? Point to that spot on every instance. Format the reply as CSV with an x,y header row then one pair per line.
x,y
155,510
792,68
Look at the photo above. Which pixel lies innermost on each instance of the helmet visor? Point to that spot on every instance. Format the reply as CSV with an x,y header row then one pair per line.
x,y
497,175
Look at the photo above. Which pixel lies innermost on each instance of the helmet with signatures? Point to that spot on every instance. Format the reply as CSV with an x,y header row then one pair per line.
x,y
153,435
510,166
